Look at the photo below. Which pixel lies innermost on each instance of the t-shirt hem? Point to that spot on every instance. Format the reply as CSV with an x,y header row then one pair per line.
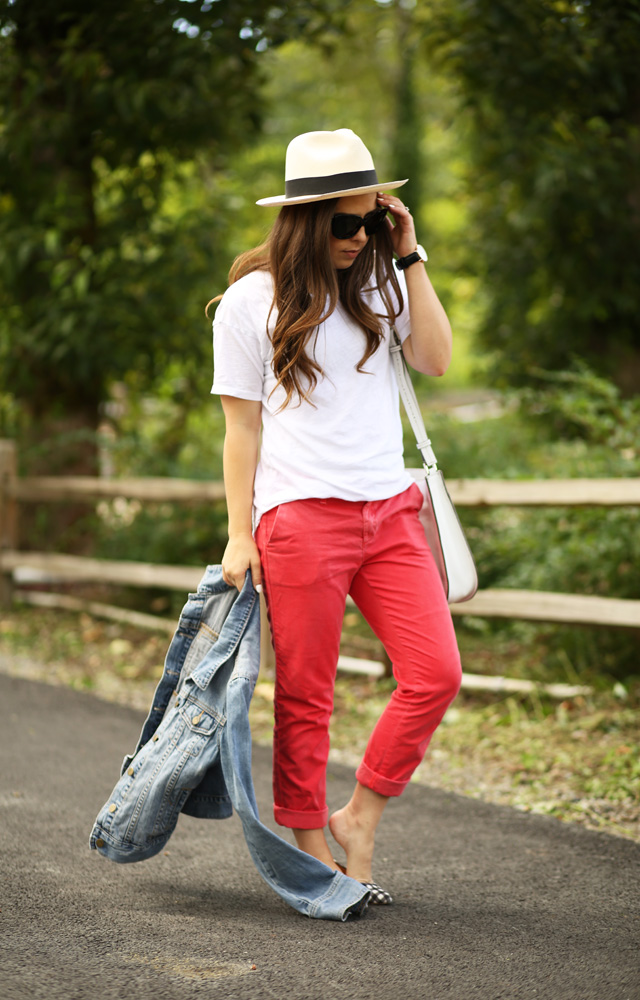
x,y
384,494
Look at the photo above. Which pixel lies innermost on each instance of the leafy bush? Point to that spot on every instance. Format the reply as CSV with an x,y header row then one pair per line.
x,y
575,424
579,403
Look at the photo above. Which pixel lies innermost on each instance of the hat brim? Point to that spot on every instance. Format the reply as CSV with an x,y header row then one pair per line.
x,y
347,192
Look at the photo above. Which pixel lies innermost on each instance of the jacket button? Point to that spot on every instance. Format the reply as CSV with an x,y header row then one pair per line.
x,y
197,719
130,771
100,842
112,807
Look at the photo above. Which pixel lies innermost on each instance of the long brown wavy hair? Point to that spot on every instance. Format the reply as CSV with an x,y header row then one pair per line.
x,y
307,289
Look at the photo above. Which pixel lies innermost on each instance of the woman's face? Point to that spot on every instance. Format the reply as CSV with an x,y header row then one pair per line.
x,y
344,252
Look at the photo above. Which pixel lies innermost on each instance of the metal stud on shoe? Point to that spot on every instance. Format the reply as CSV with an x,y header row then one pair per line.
x,y
379,896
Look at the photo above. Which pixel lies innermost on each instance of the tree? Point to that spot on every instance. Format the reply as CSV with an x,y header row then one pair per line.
x,y
106,110
552,88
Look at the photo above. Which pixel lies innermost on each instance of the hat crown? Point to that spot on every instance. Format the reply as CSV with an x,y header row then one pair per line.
x,y
323,154
322,165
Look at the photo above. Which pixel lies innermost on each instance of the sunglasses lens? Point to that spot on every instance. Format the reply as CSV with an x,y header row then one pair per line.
x,y
343,227
373,221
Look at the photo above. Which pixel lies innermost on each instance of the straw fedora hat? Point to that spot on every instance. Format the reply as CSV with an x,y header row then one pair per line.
x,y
322,165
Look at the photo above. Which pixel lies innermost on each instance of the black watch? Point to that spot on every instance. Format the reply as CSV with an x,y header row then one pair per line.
x,y
412,258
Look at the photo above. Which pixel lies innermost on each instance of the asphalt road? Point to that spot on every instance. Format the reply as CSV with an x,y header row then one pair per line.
x,y
490,903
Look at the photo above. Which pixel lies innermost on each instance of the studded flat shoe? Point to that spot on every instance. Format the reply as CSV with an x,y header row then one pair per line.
x,y
378,896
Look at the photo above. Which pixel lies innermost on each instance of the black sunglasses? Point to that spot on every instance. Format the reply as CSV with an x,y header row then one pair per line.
x,y
344,226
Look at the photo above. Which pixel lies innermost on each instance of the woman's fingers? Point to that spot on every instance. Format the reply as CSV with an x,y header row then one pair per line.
x,y
403,233
240,555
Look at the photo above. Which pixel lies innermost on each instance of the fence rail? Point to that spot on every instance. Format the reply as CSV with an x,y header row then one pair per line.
x,y
464,492
521,604
90,488
530,605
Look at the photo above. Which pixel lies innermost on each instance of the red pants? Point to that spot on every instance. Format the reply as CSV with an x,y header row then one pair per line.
x,y
314,553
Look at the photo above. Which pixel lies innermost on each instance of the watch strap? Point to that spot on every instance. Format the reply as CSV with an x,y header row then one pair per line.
x,y
404,262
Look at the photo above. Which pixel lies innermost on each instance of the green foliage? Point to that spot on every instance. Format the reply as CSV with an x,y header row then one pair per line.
x,y
175,534
620,775
550,89
579,403
116,118
572,425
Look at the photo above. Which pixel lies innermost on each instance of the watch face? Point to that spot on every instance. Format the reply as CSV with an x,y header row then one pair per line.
x,y
422,252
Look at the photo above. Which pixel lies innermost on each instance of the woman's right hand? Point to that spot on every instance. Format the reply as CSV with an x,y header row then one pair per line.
x,y
240,555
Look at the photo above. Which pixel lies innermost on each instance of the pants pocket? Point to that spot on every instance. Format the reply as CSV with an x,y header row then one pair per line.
x,y
298,541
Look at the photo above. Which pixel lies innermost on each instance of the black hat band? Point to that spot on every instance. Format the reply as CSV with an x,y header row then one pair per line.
x,y
303,187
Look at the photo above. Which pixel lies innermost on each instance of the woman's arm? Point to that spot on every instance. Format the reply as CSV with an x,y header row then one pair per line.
x,y
240,457
428,347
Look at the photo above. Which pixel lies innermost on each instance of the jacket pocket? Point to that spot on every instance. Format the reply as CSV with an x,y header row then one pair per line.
x,y
199,721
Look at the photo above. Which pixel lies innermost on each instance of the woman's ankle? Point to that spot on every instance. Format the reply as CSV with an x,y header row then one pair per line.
x,y
314,842
354,828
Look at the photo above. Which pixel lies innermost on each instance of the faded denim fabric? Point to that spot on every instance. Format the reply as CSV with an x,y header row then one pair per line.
x,y
194,755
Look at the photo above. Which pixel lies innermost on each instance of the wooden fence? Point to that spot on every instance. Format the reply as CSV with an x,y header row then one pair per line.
x,y
576,609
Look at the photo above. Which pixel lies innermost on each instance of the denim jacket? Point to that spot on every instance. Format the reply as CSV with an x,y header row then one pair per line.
x,y
194,755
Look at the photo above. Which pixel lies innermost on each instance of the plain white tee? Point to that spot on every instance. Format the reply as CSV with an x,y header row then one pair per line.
x,y
348,444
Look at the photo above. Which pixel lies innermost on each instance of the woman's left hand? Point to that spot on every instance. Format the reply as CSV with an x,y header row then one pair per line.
x,y
402,230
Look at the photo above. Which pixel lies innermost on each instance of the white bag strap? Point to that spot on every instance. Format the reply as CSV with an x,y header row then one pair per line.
x,y
408,395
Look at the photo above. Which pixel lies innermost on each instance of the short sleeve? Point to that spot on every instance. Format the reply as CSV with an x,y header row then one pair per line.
x,y
238,363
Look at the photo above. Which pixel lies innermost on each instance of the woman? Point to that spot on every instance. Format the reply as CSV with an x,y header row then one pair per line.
x,y
325,507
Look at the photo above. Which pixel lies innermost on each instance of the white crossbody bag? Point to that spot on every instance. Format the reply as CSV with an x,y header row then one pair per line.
x,y
439,518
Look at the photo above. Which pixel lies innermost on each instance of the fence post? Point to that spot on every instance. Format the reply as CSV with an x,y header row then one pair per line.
x,y
8,513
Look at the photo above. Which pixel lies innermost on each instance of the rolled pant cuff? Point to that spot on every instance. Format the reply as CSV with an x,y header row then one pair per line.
x,y
383,786
295,820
